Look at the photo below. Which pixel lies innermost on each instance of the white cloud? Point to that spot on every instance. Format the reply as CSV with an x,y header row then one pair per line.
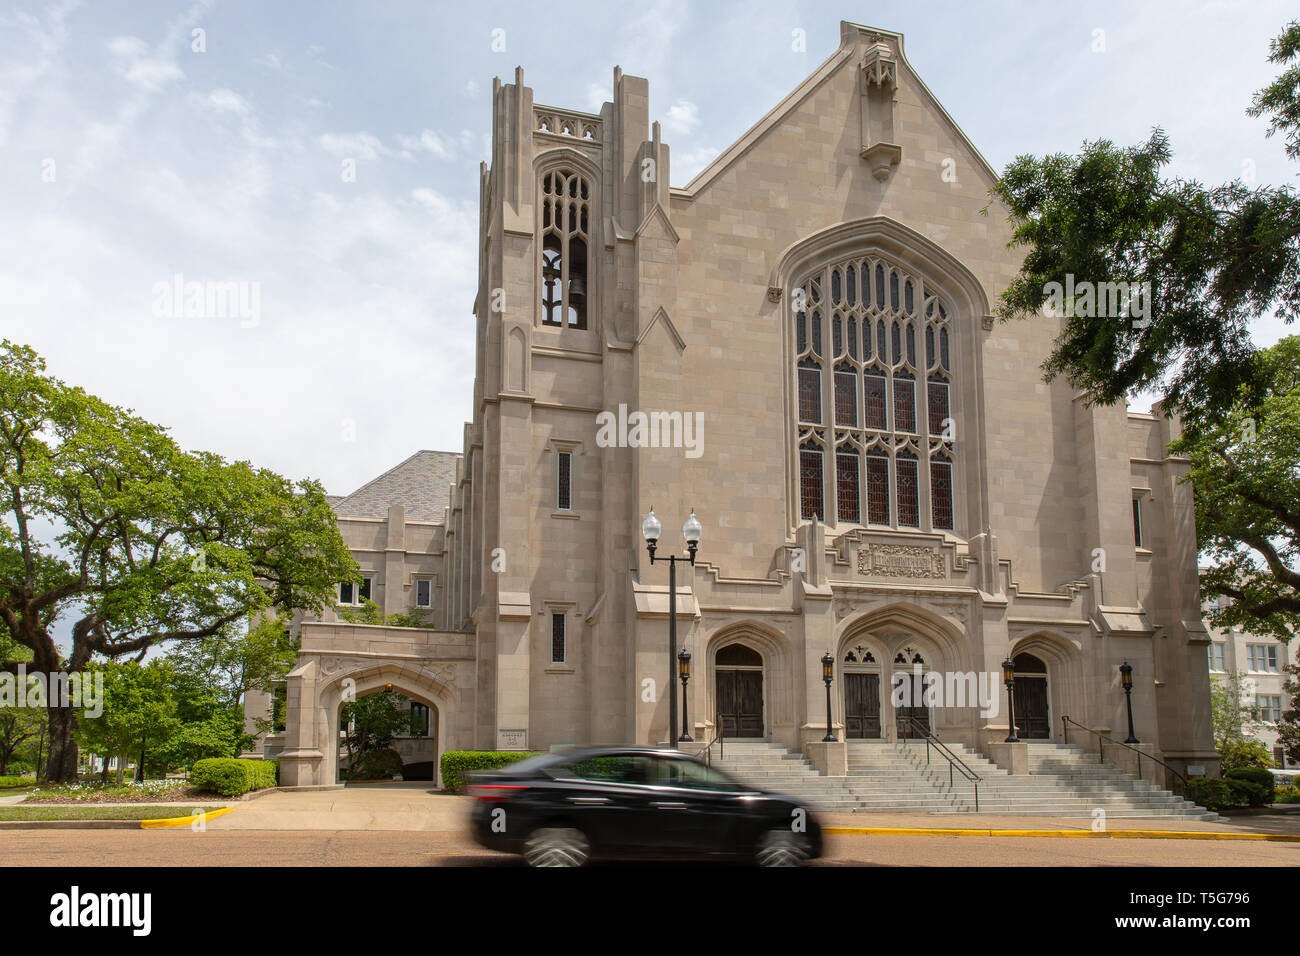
x,y
683,118
228,101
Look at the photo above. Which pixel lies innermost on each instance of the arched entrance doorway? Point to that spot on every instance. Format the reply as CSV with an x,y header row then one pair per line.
x,y
911,714
861,694
739,690
1033,713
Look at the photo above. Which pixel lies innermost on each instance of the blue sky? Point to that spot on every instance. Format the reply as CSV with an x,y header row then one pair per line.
x,y
127,158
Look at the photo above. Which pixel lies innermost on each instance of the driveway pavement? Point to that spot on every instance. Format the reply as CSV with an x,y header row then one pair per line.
x,y
414,806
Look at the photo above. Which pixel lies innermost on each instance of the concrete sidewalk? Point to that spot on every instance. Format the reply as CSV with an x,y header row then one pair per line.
x,y
390,807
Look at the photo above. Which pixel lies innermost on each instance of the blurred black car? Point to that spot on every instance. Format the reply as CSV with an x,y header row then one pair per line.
x,y
567,808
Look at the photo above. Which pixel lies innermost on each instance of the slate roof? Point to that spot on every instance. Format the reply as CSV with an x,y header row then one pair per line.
x,y
420,485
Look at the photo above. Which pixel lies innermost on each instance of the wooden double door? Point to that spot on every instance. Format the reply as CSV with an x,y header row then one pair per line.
x,y
862,709
740,702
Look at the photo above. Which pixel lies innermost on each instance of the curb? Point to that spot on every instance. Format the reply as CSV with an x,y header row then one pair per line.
x,y
110,824
1078,834
183,821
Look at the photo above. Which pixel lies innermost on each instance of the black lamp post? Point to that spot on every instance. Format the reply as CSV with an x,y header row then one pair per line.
x,y
828,675
684,671
1126,678
1009,678
691,531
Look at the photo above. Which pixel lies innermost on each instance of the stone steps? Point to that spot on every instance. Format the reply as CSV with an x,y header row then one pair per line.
x,y
888,776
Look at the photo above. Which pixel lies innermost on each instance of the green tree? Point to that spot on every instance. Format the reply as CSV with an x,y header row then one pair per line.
x,y
1232,716
1246,476
372,613
18,726
152,544
373,722
1215,258
138,716
1288,728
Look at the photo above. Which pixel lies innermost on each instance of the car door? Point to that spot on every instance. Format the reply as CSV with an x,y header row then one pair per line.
x,y
698,810
608,797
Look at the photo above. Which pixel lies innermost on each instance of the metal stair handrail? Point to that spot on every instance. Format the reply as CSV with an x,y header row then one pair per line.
x,y
707,753
954,762
1101,750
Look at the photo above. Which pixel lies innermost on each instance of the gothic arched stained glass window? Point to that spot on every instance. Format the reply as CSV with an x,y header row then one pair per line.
x,y
874,397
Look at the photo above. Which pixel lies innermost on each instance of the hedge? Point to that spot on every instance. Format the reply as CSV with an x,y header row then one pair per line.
x,y
456,763
1238,788
231,777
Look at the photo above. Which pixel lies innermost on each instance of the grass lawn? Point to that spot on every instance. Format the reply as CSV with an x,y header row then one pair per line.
x,y
96,813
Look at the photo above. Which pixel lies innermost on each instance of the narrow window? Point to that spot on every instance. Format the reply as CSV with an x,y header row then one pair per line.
x,y
875,389
423,593
941,492
1137,522
904,402
846,399
557,638
364,591
810,483
878,488
564,496
847,487
346,593
810,395
937,404
909,508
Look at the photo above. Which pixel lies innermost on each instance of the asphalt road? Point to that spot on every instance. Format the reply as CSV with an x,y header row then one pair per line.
x,y
80,848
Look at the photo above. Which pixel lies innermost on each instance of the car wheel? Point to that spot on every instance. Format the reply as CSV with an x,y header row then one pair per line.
x,y
782,848
557,846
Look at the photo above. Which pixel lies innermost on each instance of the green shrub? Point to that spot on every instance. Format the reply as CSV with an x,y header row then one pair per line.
x,y
1286,795
377,765
1260,778
1209,792
1244,753
1247,793
456,763
231,777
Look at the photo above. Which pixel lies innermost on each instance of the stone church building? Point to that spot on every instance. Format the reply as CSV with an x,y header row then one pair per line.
x,y
798,345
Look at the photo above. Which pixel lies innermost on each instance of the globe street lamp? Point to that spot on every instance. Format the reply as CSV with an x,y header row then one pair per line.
x,y
828,675
691,532
1126,678
1009,677
684,671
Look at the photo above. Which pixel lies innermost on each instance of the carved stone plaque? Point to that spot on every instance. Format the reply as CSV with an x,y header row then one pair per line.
x,y
900,561
512,740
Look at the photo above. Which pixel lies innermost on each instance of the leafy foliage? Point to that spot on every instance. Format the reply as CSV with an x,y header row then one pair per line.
x,y
1215,258
372,613
1244,755
1288,728
152,544
373,721
455,764
230,778
1232,717
1245,471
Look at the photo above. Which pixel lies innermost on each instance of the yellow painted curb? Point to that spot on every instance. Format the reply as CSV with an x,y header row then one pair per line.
x,y
183,821
1094,834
